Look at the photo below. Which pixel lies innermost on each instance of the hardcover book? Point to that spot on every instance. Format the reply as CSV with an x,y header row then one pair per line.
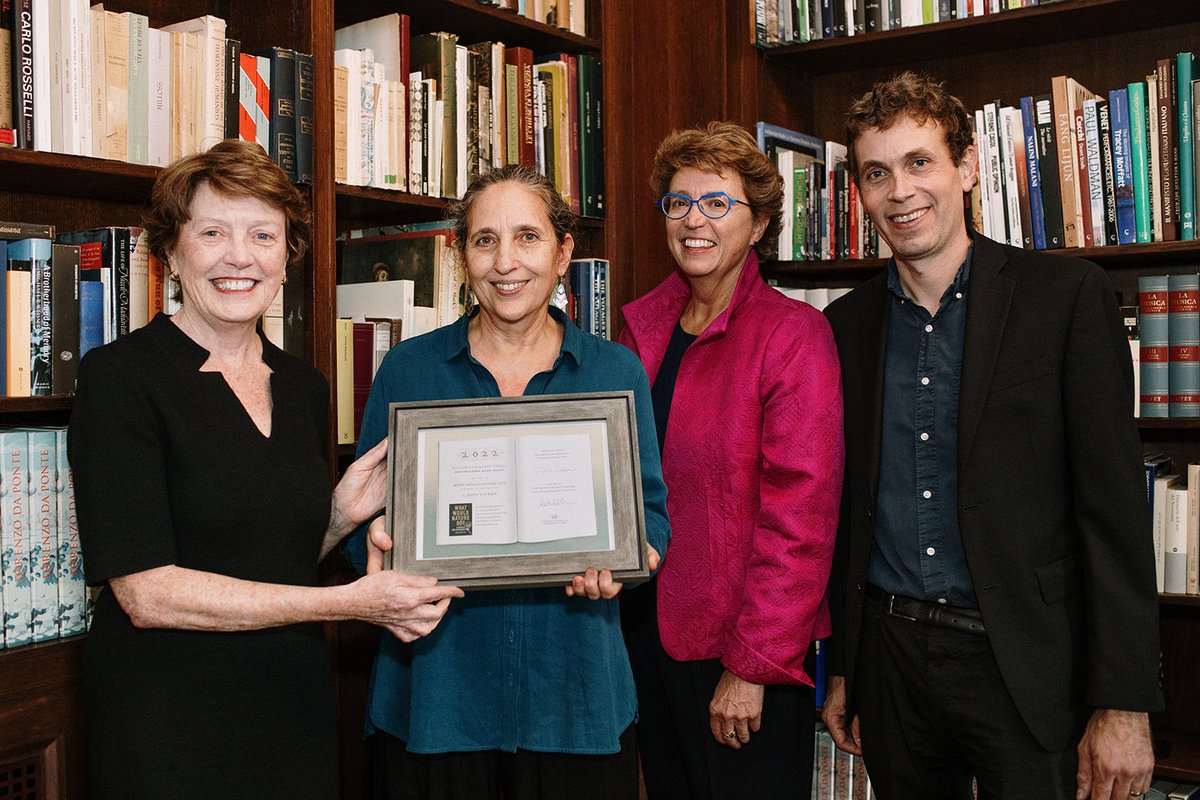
x,y
15,539
72,588
43,535
1183,331
1154,345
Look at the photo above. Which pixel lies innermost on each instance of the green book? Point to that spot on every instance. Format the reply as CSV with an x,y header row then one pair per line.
x,y
1187,184
1137,135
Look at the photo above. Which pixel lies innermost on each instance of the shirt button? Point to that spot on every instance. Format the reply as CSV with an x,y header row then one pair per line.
x,y
927,494
942,600
929,329
930,551
924,381
958,295
924,437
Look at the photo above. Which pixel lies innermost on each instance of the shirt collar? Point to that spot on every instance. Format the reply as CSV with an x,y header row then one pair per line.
x,y
457,344
956,290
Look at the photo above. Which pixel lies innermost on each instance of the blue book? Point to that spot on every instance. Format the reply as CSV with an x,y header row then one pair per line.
x,y
1037,213
818,675
1183,334
771,137
1118,109
91,316
1183,124
1154,346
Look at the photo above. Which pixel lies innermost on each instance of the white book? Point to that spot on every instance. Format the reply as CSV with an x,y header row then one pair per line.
x,y
15,538
60,45
416,137
383,144
272,320
1193,529
391,299
499,103
158,104
139,93
262,108
911,14
818,298
139,278
462,172
1095,178
211,84
1175,540
381,35
539,126
578,17
43,92
352,61
81,73
436,134
1009,138
43,549
985,196
98,97
424,319
1159,526
994,175
72,587
786,160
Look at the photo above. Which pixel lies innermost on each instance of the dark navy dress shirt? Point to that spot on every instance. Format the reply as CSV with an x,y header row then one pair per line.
x,y
917,550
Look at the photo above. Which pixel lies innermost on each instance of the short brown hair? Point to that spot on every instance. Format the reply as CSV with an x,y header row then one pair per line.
x,y
562,220
233,169
718,148
920,97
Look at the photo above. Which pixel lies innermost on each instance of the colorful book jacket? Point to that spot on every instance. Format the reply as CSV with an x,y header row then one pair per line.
x,y
15,539
1183,326
43,535
1154,345
72,588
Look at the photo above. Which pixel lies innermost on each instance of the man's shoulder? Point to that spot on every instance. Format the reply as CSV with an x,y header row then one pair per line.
x,y
854,303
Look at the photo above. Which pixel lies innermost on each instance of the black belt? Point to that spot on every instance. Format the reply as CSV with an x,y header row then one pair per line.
x,y
967,620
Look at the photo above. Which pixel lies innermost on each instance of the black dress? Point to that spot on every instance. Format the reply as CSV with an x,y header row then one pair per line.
x,y
170,469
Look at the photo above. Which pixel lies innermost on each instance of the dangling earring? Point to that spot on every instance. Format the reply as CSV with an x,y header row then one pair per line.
x,y
559,298
284,280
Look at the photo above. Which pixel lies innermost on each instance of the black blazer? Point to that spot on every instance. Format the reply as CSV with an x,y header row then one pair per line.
x,y
1051,489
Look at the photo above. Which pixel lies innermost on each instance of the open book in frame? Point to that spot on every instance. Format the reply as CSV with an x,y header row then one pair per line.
x,y
521,491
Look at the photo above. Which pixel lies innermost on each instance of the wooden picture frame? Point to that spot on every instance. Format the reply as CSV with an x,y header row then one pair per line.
x,y
516,492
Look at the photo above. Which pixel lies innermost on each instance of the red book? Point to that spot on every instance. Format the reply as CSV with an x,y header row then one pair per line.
x,y
522,59
363,353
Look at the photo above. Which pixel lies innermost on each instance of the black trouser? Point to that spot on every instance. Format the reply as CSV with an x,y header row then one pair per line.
x,y
497,775
935,712
680,758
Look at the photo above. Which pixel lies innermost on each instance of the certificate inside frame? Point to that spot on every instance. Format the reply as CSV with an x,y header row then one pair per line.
x,y
569,463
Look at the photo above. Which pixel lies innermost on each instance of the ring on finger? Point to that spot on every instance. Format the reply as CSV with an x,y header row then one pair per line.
x,y
729,734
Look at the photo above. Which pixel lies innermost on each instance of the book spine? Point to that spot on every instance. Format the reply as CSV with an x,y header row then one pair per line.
x,y
1175,541
1123,191
283,109
39,333
72,588
1183,333
1037,216
304,117
23,73
43,550
1140,159
1047,158
122,247
1086,235
1108,171
1064,129
233,89
1095,172
64,318
1185,163
1168,149
15,539
1154,347
138,124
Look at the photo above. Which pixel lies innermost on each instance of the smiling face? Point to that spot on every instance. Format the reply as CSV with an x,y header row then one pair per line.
x,y
712,250
913,190
230,257
513,258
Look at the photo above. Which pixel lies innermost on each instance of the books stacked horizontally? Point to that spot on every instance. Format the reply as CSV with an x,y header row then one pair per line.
x,y
1074,168
427,113
838,775
91,82
823,218
42,590
1173,497
817,297
780,22
568,14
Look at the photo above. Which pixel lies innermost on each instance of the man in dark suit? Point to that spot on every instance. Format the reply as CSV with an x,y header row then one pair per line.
x,y
993,590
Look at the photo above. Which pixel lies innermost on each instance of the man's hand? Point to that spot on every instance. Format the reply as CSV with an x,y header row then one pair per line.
x,y
1116,756
845,732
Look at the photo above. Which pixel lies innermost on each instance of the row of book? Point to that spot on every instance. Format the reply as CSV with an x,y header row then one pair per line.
x,y
568,14
92,82
780,22
43,594
1072,168
1173,498
426,114
823,218
838,775
64,293
1167,346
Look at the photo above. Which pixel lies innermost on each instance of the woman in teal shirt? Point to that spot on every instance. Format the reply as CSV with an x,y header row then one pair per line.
x,y
524,688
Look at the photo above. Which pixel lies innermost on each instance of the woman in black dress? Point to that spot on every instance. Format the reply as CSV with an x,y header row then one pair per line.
x,y
202,489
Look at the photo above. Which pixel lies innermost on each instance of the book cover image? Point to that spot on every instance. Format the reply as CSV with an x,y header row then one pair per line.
x,y
413,256
15,539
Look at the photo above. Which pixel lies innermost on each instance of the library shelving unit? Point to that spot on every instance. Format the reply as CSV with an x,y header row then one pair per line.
x,y
41,703
1104,44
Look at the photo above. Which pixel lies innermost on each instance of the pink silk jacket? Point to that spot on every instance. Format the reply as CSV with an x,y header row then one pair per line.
x,y
753,464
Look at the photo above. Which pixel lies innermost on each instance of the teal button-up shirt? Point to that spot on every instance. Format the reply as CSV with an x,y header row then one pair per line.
x,y
521,668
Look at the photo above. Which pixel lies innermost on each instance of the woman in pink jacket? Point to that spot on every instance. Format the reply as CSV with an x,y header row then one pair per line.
x,y
747,398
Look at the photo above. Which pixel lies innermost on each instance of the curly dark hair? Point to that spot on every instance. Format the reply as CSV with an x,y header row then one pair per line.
x,y
909,94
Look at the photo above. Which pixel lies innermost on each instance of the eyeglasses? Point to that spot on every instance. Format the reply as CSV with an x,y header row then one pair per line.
x,y
713,205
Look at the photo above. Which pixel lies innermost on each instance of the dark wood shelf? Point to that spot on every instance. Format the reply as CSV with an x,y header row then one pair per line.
x,y
26,405
858,269
471,20
1181,759
35,172
1168,424
1070,20
386,206
42,667
1185,600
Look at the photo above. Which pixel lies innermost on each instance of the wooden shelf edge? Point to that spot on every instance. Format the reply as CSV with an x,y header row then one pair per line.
x,y
36,172
1182,761
41,666
16,405
1172,599
992,32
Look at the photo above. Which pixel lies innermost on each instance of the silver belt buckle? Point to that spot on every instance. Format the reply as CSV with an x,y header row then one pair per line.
x,y
893,613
